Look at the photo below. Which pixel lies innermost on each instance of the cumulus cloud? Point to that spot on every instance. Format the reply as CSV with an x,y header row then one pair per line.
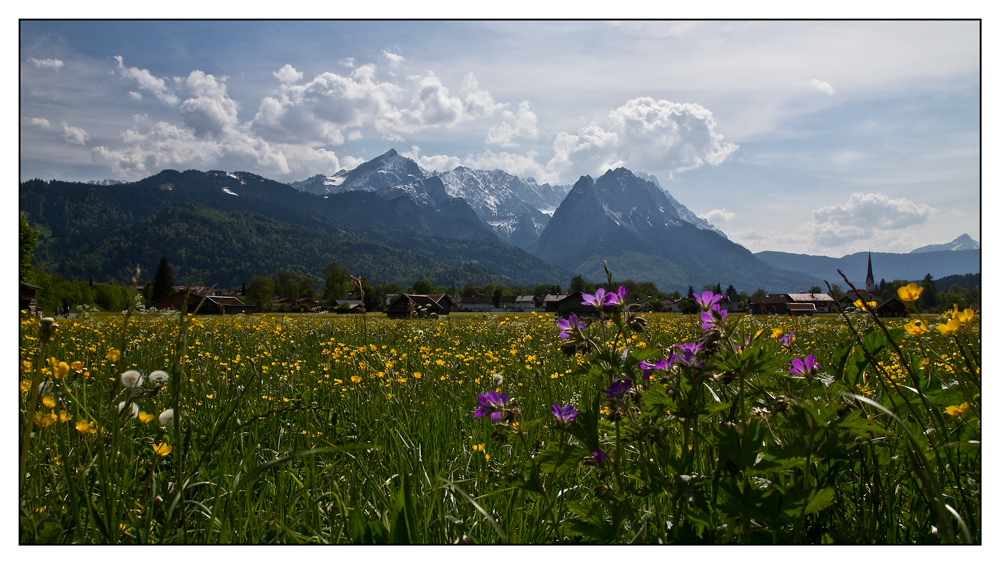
x,y
287,74
863,215
348,62
46,63
519,165
643,134
74,135
523,124
38,122
393,58
822,86
211,111
146,81
434,106
719,215
137,96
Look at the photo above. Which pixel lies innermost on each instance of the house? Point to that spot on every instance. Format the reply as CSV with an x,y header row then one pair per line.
x,y
822,302
551,302
476,303
573,304
801,308
769,304
212,305
407,305
730,303
523,303
28,301
891,308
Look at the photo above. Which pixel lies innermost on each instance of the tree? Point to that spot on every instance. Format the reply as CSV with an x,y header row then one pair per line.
x,y
163,280
929,295
259,292
423,287
28,240
815,290
760,293
578,284
338,282
731,291
497,295
307,287
690,292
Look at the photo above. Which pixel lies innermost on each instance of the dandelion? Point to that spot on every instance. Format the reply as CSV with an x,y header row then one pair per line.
x,y
957,410
158,377
113,355
146,417
162,449
564,415
492,404
910,292
131,379
915,327
167,417
134,408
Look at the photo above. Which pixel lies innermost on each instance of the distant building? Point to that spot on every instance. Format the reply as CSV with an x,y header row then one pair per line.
x,y
870,278
769,304
212,304
406,305
822,302
28,302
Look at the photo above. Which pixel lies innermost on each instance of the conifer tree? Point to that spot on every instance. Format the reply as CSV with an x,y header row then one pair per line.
x,y
163,280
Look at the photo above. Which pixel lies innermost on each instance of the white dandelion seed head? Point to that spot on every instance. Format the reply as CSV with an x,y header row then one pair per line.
x,y
135,408
158,377
498,378
131,379
167,417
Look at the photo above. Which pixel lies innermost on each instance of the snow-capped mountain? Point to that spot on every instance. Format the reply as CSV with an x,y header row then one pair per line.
x,y
961,243
682,211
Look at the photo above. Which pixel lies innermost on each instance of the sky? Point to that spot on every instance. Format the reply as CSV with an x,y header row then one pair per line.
x,y
817,137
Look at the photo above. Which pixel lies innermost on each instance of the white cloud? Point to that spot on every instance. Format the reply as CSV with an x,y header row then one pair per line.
x,y
137,96
393,58
440,163
39,122
74,135
524,124
354,135
865,215
644,134
348,62
518,165
822,86
719,215
148,82
287,74
211,111
46,63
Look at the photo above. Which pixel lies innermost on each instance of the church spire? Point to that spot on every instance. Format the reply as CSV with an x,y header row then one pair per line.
x,y
870,280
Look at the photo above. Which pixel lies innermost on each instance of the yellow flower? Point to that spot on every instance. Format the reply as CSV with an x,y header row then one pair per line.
x,y
916,327
949,328
76,366
86,427
61,370
964,317
48,402
356,379
113,355
776,332
417,375
26,366
44,420
162,449
859,304
957,410
146,417
63,416
910,292
25,386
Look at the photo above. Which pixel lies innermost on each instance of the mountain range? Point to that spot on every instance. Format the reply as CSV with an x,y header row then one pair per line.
x,y
393,221
888,266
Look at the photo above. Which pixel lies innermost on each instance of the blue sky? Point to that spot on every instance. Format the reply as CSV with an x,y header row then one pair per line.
x,y
811,137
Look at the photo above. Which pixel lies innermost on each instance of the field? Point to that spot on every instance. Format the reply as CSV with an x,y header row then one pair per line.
x,y
318,428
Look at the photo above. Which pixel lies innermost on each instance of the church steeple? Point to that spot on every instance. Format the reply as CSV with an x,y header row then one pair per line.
x,y
870,280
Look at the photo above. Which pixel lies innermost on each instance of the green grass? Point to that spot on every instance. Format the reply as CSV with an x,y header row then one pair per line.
x,y
341,429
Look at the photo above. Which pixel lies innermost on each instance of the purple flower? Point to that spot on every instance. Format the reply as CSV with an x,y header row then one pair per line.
x,y
492,404
600,457
787,339
601,298
711,317
564,415
688,353
622,292
617,388
805,367
648,367
707,299
567,324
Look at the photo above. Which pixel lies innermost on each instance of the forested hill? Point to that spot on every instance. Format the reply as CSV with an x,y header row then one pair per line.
x,y
98,231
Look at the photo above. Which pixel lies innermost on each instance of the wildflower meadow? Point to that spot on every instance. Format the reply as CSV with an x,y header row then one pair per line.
x,y
501,428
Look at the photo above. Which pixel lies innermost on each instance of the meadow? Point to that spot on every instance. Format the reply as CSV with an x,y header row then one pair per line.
x,y
323,428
